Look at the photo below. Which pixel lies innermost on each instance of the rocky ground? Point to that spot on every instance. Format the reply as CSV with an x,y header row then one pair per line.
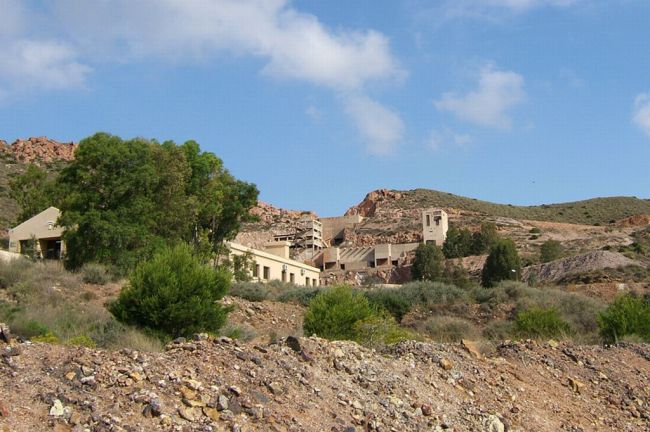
x,y
310,384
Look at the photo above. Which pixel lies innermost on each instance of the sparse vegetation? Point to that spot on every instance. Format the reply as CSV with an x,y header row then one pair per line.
x,y
449,329
541,323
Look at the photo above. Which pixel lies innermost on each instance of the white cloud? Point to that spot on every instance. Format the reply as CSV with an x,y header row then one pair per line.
x,y
381,127
291,44
521,5
498,91
441,139
294,45
641,116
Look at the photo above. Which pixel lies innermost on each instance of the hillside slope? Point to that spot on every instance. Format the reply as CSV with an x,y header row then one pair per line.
x,y
596,210
325,386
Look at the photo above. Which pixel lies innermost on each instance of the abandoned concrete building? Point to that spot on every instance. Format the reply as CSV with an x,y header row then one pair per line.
x,y
39,235
331,254
273,263
306,237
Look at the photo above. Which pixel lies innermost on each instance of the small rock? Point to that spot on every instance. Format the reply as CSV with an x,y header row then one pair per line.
x,y
235,390
189,414
222,403
446,364
70,376
576,385
293,343
274,388
57,408
553,343
494,424
5,333
427,411
4,412
211,413
472,348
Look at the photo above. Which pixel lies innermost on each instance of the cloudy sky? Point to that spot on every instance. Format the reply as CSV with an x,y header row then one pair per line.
x,y
320,101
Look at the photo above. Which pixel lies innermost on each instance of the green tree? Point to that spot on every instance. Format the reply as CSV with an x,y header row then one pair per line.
x,y
428,263
333,313
126,198
502,263
33,191
485,239
458,243
173,294
551,250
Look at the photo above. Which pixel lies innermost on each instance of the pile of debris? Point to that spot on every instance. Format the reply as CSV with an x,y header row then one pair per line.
x,y
309,384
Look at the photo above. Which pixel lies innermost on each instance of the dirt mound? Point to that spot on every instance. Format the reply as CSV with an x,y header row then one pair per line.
x,y
266,320
310,384
634,221
39,150
556,270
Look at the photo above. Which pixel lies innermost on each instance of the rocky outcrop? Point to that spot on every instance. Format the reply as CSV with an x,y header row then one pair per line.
x,y
39,150
634,221
368,206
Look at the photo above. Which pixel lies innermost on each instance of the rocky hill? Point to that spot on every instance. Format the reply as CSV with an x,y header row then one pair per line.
x,y
14,158
592,211
39,151
309,384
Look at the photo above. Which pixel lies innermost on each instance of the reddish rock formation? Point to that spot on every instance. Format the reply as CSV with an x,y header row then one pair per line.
x,y
368,206
37,150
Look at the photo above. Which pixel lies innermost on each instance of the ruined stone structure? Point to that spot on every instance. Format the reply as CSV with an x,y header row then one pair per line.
x,y
306,237
434,226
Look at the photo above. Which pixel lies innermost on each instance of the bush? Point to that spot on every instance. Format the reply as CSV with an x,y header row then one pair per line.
x,y
429,294
49,338
333,313
450,329
378,331
541,323
173,294
96,274
300,295
391,300
81,340
251,291
498,330
502,264
551,250
627,315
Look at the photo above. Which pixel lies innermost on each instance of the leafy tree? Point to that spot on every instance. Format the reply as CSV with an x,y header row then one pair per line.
x,y
242,266
502,263
33,192
428,263
458,243
333,313
551,250
173,294
124,199
485,239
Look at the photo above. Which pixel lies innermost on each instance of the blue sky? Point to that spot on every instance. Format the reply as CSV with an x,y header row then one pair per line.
x,y
318,102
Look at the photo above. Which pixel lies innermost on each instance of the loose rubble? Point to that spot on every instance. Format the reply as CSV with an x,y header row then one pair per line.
x,y
310,384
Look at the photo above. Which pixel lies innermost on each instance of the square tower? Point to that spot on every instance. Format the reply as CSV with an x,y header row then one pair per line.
x,y
434,226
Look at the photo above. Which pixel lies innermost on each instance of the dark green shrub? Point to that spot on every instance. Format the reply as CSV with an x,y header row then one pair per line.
x,y
173,294
96,274
535,230
333,313
541,323
502,264
627,315
391,300
428,263
551,250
